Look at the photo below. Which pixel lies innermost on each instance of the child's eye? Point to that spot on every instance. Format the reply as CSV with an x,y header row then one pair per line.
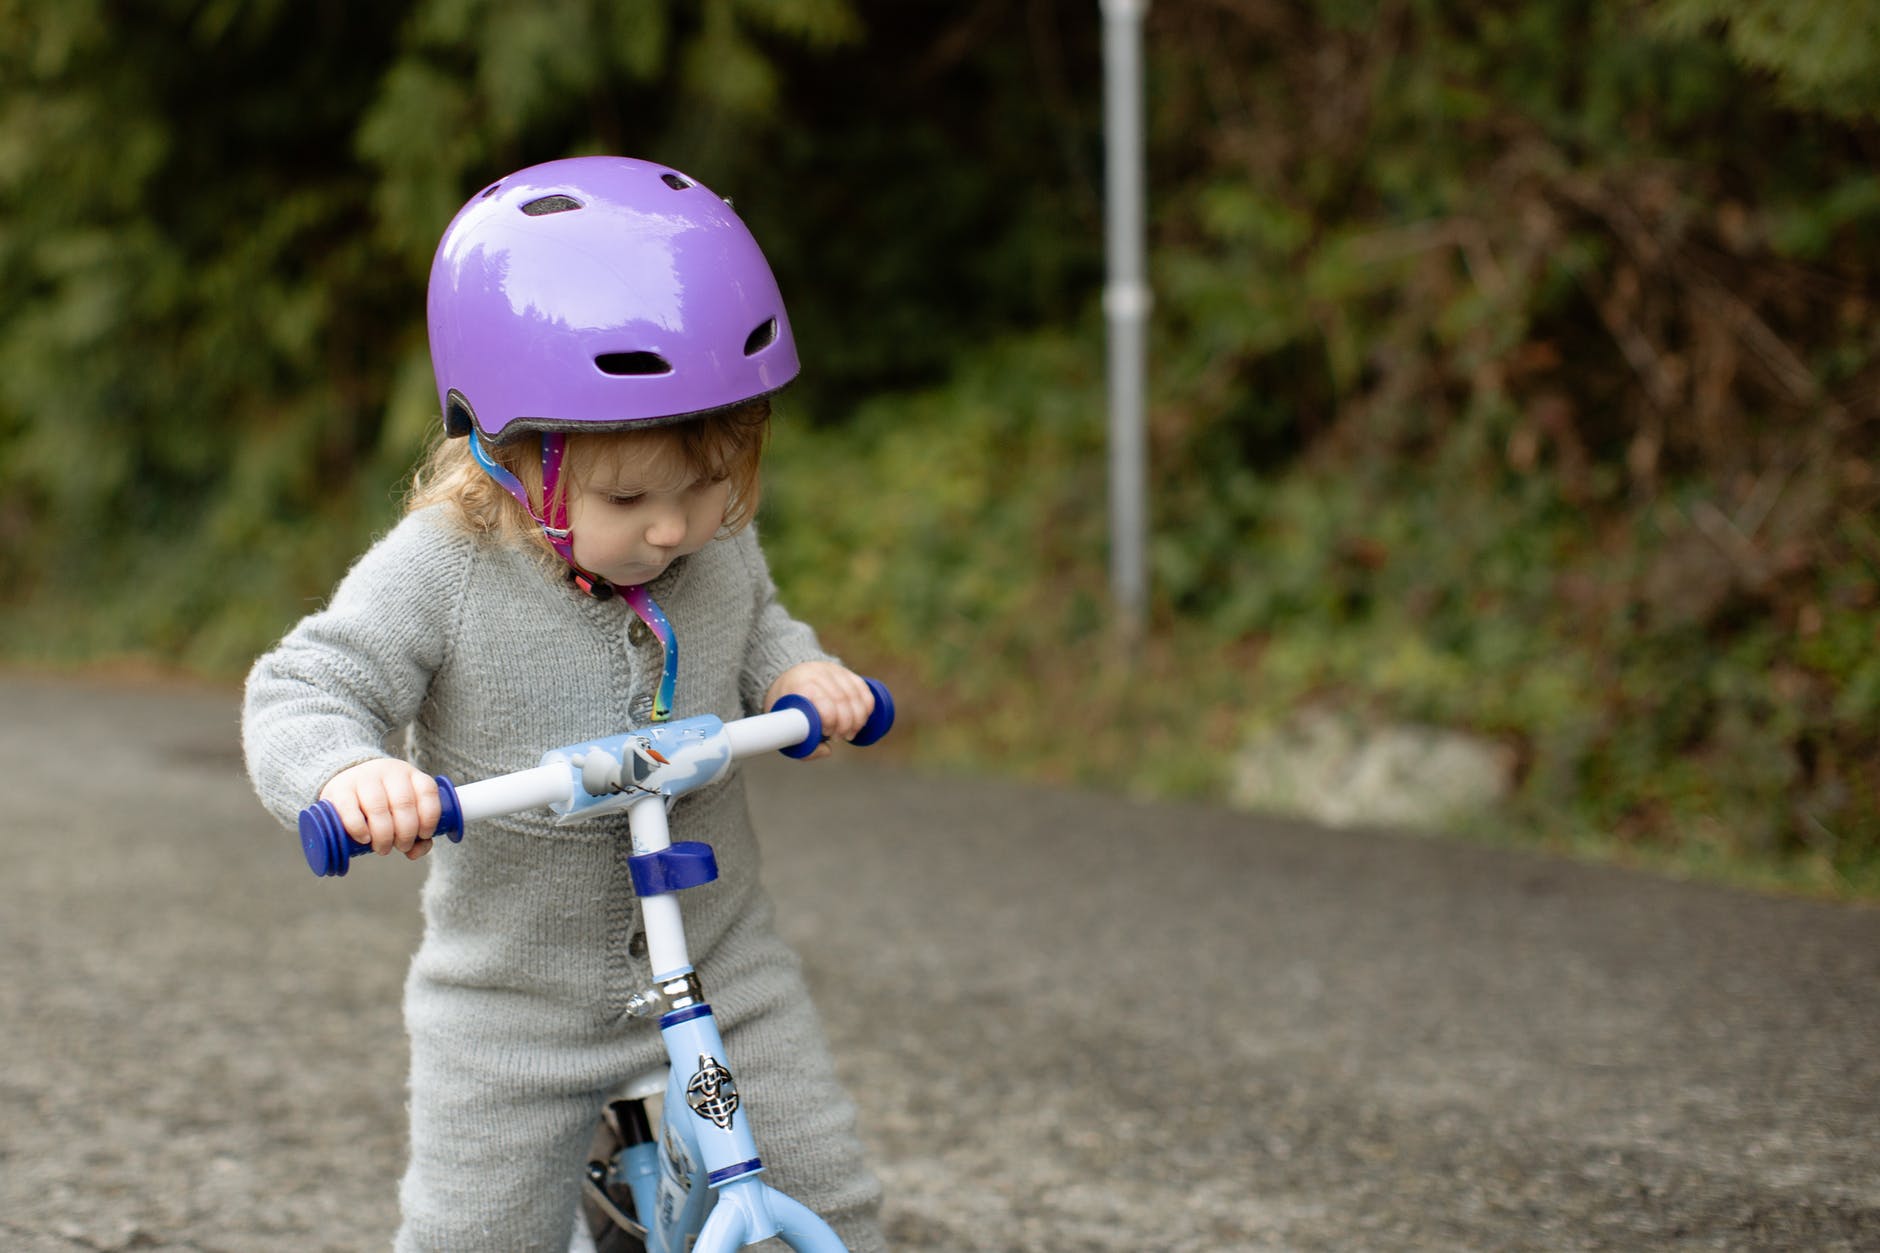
x,y
621,499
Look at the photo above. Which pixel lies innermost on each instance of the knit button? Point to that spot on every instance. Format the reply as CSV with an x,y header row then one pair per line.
x,y
638,634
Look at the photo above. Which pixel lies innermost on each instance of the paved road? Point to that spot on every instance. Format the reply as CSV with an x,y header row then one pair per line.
x,y
1073,1023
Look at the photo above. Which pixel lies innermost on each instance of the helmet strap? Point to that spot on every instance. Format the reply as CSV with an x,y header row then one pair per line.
x,y
553,516
655,619
553,519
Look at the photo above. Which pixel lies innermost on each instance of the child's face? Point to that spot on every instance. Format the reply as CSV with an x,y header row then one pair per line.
x,y
636,511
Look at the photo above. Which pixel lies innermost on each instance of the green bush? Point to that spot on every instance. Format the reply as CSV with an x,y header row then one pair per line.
x,y
1514,366
1514,372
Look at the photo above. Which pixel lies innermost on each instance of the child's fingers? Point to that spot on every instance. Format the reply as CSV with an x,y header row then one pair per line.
x,y
430,807
391,813
843,701
389,805
851,703
424,806
385,803
842,698
402,809
380,828
351,816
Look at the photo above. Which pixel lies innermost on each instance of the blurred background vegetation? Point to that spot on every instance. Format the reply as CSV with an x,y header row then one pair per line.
x,y
1515,365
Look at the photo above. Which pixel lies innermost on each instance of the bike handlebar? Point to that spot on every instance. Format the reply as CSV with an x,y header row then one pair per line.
x,y
585,779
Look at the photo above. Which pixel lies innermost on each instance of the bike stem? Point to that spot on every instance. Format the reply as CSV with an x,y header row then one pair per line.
x,y
665,929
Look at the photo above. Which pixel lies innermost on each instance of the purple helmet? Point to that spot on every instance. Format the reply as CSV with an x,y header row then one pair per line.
x,y
598,293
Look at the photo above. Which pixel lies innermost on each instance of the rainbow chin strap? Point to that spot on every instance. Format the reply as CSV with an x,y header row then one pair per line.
x,y
555,527
655,619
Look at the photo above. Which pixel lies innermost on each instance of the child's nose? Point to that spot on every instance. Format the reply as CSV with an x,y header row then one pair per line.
x,y
666,527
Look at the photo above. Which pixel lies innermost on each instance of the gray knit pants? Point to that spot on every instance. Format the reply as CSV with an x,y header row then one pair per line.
x,y
501,1120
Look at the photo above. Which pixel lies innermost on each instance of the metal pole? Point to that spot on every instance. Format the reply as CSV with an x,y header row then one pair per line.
x,y
1126,300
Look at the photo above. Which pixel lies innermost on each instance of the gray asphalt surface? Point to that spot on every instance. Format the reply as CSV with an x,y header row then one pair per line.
x,y
1071,1022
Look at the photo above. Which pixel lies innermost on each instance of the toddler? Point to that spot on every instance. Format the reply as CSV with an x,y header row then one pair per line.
x,y
576,560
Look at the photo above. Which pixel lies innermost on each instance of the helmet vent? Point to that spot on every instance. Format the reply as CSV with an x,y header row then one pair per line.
x,y
493,189
550,204
632,364
763,337
678,182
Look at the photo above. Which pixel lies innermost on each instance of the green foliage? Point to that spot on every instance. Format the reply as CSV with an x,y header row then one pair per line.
x,y
1514,364
1514,373
212,293
1824,54
1517,375
211,350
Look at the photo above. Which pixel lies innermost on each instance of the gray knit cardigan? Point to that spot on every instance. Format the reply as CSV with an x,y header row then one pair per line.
x,y
472,658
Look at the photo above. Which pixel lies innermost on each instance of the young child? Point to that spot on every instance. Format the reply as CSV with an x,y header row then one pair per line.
x,y
576,561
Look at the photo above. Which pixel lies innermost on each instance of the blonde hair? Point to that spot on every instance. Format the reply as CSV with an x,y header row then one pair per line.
x,y
727,445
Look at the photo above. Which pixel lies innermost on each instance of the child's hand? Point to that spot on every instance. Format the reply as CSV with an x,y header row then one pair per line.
x,y
386,803
842,700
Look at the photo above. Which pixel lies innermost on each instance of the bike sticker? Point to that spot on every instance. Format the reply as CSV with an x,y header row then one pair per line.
x,y
677,1158
616,773
675,1177
712,1093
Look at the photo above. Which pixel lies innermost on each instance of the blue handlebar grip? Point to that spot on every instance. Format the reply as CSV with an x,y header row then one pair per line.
x,y
813,740
449,811
330,850
881,720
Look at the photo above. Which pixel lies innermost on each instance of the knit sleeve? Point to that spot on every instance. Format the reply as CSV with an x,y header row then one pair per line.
x,y
334,689
778,641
